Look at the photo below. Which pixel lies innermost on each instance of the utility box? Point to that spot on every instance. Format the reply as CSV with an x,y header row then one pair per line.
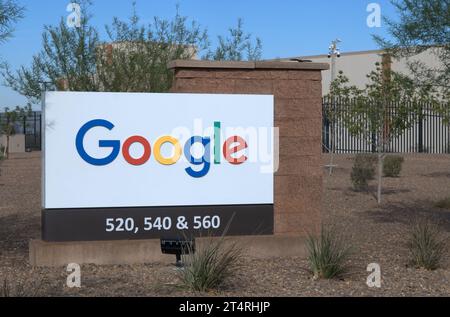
x,y
16,143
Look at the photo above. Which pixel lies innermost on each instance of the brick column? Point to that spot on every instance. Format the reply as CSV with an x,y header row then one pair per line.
x,y
297,90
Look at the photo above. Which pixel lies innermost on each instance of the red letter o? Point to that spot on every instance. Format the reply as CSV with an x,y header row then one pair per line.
x,y
126,150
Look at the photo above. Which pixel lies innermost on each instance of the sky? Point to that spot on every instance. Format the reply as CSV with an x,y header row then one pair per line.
x,y
287,28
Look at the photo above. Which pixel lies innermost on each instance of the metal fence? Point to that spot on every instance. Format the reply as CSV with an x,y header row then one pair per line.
x,y
428,133
30,126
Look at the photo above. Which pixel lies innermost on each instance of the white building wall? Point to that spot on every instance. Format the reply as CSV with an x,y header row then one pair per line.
x,y
428,58
357,65
354,65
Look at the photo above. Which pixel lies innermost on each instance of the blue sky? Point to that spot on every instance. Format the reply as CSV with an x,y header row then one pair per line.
x,y
286,27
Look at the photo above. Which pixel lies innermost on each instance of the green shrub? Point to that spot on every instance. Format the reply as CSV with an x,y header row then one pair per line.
x,y
363,170
426,245
210,266
392,166
327,254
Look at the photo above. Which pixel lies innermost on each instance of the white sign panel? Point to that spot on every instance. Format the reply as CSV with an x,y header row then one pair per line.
x,y
112,150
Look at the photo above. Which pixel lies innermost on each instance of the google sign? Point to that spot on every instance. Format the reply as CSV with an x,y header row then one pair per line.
x,y
231,146
140,166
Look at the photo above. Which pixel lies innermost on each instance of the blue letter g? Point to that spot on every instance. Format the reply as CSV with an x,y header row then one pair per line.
x,y
114,144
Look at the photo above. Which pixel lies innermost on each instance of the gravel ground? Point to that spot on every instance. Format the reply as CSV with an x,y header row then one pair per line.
x,y
377,233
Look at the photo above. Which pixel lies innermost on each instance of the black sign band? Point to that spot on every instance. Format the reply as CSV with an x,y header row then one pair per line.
x,y
100,224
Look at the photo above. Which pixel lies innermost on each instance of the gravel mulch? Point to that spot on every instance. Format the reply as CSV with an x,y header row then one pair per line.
x,y
377,234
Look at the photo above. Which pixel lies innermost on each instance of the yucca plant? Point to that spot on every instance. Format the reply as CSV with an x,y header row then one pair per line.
x,y
211,265
426,245
328,254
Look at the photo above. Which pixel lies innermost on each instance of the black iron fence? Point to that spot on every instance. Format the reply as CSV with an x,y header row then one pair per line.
x,y
428,133
30,126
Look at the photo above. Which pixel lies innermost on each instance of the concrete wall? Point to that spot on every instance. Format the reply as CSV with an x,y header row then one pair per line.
x,y
297,89
149,251
16,143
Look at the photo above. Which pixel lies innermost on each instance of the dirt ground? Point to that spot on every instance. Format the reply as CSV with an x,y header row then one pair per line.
x,y
377,233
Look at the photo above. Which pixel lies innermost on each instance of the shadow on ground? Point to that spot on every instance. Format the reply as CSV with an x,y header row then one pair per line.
x,y
437,174
405,213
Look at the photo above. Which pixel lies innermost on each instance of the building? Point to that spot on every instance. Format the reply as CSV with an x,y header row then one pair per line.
x,y
356,65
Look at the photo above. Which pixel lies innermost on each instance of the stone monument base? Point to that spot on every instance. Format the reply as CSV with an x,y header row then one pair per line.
x,y
51,254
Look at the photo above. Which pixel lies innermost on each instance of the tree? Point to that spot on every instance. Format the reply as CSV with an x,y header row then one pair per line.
x,y
67,61
239,46
339,89
10,13
423,25
137,57
10,119
382,111
133,59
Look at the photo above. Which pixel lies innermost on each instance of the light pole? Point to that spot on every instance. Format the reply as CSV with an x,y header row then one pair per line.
x,y
333,53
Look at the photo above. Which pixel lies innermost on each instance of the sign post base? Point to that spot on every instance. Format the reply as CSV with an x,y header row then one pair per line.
x,y
52,254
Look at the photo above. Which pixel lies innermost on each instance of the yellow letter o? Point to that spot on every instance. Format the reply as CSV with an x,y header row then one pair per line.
x,y
176,154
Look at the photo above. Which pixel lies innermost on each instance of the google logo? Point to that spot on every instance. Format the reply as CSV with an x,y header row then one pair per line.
x,y
229,149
